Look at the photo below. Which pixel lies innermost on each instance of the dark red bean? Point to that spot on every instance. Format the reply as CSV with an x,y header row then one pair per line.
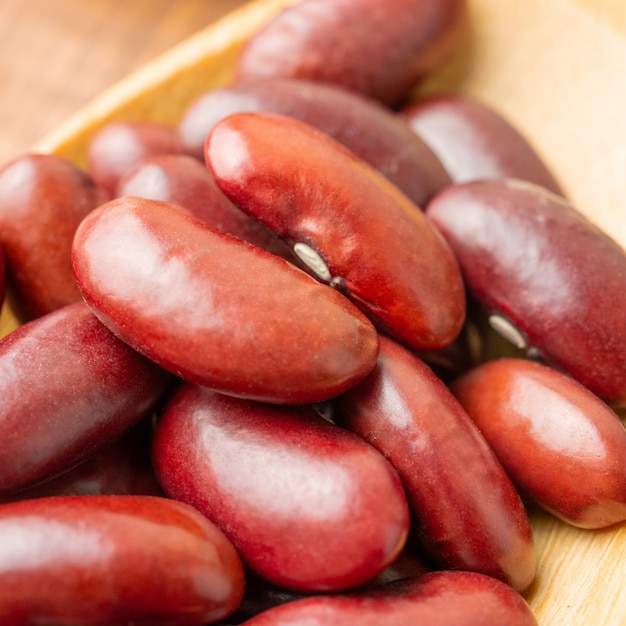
x,y
436,599
370,130
118,146
560,444
261,595
361,232
183,180
309,506
43,198
553,279
123,467
216,310
68,388
379,49
3,273
466,512
474,141
109,560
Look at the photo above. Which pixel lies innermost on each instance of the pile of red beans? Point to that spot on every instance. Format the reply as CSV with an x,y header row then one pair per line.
x,y
250,383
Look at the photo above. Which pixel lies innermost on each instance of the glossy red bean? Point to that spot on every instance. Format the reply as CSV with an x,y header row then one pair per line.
x,y
123,467
474,141
466,512
260,595
362,233
379,49
436,599
118,146
43,198
309,506
183,180
68,387
373,132
3,274
561,445
216,310
107,560
558,281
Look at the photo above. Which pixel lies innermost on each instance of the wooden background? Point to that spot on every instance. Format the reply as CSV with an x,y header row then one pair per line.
x,y
56,55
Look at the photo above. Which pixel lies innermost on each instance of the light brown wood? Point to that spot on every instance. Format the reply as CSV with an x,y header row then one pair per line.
x,y
557,70
55,56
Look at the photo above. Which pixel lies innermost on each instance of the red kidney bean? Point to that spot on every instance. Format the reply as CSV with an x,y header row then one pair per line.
x,y
455,358
309,506
261,595
123,467
216,310
436,599
379,49
553,279
118,146
362,233
103,560
370,130
43,198
3,274
466,512
474,141
183,180
561,445
68,387
407,565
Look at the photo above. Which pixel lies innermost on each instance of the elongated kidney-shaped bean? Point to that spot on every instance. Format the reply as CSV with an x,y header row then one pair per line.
x,y
436,599
216,310
531,258
467,513
123,467
119,146
308,505
181,179
560,444
43,198
371,239
107,560
377,48
3,274
68,387
261,595
473,141
370,130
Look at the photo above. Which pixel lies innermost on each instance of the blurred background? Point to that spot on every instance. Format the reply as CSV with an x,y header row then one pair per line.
x,y
56,55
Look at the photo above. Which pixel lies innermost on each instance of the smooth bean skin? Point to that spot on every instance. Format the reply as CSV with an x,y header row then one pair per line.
x,y
530,257
183,180
436,599
379,248
68,387
123,467
308,505
215,310
373,132
43,198
110,560
363,45
3,274
260,595
467,514
474,141
561,445
118,146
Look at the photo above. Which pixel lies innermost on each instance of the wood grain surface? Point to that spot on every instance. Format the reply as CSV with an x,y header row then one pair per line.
x,y
56,55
